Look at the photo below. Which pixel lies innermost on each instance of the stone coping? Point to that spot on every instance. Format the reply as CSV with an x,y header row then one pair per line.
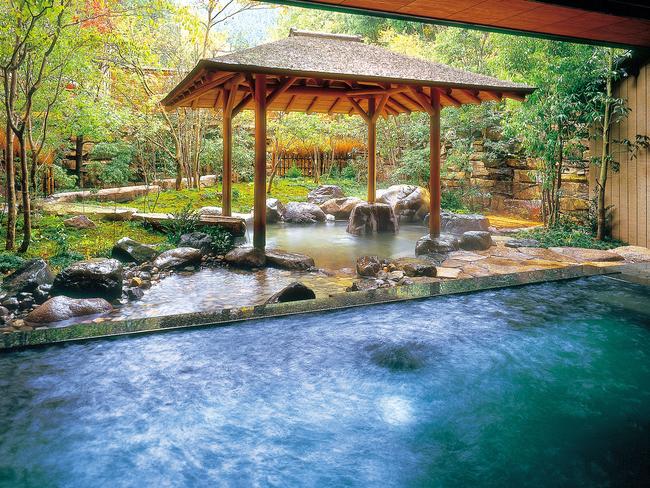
x,y
225,316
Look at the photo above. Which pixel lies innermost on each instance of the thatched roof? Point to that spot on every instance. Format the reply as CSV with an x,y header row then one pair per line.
x,y
343,63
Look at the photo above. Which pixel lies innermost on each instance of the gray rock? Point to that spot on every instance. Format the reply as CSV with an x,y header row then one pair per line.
x,y
458,224
323,193
415,267
246,257
28,277
288,260
134,294
42,293
79,222
64,308
292,293
303,213
330,218
522,243
443,244
364,285
371,218
90,279
11,303
274,210
4,312
198,240
340,208
178,258
129,251
409,202
475,240
368,266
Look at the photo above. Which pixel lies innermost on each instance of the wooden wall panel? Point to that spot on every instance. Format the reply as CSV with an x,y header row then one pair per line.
x,y
628,190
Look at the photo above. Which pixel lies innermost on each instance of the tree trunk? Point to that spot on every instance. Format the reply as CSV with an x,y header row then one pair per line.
x,y
24,183
78,157
10,174
601,219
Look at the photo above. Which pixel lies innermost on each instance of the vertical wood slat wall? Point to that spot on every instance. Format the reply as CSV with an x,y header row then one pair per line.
x,y
628,190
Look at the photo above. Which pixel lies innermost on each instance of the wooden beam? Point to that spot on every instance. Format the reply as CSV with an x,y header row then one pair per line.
x,y
291,100
226,173
422,99
330,111
311,104
434,165
515,96
400,107
259,183
280,89
473,96
444,95
489,95
359,110
380,107
409,99
213,82
372,151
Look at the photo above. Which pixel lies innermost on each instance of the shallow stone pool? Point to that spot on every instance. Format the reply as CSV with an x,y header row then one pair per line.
x,y
544,385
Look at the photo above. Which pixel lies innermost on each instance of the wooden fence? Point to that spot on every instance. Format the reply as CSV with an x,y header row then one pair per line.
x,y
306,164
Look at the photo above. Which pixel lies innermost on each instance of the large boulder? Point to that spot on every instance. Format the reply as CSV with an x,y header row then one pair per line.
x,y
368,266
410,202
246,257
64,308
415,267
436,245
289,260
90,279
634,254
178,258
79,222
475,240
129,251
274,210
28,277
292,293
370,218
340,208
198,240
323,193
458,224
303,213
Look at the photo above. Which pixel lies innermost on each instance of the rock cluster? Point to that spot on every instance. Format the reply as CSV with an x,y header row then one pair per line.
x,y
409,202
372,218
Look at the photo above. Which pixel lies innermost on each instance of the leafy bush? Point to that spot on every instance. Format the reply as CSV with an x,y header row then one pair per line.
x,y
117,171
569,234
293,172
348,172
10,262
223,240
184,221
452,200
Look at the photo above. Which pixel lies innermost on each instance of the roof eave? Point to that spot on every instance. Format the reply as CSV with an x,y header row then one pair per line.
x,y
253,69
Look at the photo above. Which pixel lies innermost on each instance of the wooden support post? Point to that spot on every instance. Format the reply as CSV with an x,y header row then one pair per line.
x,y
372,151
259,210
226,175
434,164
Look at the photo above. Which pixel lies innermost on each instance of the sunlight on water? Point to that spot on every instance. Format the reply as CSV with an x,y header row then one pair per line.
x,y
396,410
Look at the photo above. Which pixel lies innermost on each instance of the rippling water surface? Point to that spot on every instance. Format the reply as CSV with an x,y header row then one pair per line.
x,y
546,385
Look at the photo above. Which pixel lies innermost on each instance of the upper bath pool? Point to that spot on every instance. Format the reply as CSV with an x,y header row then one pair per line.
x,y
544,385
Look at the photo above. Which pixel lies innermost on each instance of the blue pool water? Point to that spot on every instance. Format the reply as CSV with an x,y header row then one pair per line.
x,y
545,385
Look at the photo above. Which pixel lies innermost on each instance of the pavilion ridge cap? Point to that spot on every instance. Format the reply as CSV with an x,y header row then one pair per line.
x,y
293,32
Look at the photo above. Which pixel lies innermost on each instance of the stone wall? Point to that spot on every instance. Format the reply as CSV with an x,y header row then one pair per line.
x,y
510,186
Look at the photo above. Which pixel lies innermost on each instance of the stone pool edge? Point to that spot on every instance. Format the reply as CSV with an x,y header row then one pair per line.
x,y
91,330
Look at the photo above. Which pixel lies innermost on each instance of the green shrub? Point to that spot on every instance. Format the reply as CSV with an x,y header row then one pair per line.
x,y
10,262
293,172
452,200
349,173
223,240
184,221
568,234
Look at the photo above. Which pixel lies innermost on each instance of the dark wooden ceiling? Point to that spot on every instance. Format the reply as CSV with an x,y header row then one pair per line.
x,y
624,23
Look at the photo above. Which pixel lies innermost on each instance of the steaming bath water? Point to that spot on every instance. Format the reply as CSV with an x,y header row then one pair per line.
x,y
545,385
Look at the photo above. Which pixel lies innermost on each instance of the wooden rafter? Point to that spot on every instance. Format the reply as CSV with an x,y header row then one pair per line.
x,y
490,95
330,110
209,84
399,106
380,107
310,106
422,99
359,110
472,95
515,96
446,96
290,103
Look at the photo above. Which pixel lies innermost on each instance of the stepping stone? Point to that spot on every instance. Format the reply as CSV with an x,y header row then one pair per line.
x,y
580,255
633,254
449,273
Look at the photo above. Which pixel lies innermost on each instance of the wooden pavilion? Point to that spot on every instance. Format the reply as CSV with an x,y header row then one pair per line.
x,y
335,74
